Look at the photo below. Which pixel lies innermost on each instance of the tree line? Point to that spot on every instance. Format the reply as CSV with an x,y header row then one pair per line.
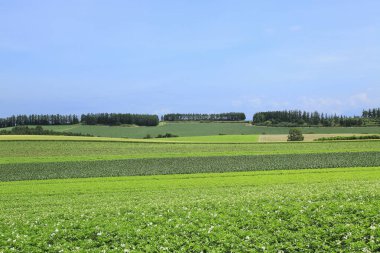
x,y
39,119
38,130
300,118
230,116
371,113
277,118
120,118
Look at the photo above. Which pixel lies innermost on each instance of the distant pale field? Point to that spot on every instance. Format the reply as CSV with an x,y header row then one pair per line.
x,y
308,137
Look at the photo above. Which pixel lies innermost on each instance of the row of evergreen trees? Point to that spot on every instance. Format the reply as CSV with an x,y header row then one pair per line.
x,y
89,119
38,130
34,119
120,118
292,117
371,113
299,118
230,116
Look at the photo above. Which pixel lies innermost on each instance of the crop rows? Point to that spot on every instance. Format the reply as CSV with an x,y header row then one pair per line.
x,y
22,151
187,165
333,210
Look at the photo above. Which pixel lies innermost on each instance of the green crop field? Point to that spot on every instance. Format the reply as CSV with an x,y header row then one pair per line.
x,y
64,151
325,210
220,193
219,138
184,165
203,129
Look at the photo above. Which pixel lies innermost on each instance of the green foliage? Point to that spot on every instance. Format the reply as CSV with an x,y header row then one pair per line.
x,y
295,135
167,135
148,136
38,130
279,211
371,113
181,165
34,119
116,119
348,138
296,118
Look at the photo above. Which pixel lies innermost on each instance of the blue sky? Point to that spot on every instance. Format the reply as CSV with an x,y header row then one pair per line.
x,y
188,56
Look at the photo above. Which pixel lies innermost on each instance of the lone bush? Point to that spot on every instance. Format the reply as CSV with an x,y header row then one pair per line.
x,y
148,136
167,135
295,135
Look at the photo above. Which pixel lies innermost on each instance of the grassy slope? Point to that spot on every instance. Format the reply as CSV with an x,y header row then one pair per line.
x,y
309,210
201,129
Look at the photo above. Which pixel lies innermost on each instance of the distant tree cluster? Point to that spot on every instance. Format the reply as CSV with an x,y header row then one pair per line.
x,y
38,130
230,116
299,118
348,138
371,113
34,119
120,118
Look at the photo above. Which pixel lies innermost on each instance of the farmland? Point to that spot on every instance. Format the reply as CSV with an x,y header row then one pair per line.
x,y
202,193
203,129
70,149
189,126
307,210
217,139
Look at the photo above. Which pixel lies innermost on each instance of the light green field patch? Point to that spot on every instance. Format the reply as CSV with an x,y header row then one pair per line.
x,y
218,139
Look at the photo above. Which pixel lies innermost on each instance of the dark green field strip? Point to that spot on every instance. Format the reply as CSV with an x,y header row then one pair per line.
x,y
185,165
